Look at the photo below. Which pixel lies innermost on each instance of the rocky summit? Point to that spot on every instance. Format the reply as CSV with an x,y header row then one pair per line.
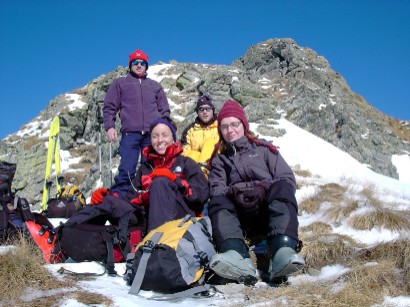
x,y
273,79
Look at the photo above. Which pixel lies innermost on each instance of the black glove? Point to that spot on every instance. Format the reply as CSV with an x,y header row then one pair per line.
x,y
248,199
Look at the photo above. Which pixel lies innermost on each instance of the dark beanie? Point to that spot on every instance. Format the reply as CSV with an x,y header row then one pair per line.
x,y
233,109
204,100
165,122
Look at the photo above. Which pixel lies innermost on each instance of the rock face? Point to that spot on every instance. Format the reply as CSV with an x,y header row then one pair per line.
x,y
276,78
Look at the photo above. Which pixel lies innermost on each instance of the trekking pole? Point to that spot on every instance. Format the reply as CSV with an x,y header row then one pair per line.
x,y
100,120
111,162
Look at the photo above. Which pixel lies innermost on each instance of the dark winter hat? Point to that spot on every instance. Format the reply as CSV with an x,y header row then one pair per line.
x,y
233,109
165,122
205,99
138,55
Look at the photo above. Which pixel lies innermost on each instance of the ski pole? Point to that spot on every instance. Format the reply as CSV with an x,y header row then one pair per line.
x,y
99,152
111,162
100,120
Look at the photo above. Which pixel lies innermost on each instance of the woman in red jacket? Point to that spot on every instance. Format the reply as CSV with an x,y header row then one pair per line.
x,y
167,184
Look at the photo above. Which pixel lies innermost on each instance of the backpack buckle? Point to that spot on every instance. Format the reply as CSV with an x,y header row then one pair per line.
x,y
148,246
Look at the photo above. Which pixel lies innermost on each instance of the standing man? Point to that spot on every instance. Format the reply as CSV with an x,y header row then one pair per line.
x,y
139,101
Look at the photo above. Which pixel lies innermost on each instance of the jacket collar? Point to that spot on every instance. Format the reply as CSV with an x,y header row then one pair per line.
x,y
167,159
212,123
238,145
136,77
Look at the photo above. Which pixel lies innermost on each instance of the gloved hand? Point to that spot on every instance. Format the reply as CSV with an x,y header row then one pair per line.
x,y
248,199
98,195
136,201
163,172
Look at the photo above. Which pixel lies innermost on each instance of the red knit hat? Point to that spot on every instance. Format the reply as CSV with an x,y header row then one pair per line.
x,y
138,55
233,109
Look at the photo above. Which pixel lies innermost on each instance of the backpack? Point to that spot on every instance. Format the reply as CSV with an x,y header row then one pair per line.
x,y
14,211
13,215
69,200
172,258
86,236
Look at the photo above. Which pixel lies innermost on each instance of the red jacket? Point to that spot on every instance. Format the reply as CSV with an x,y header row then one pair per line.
x,y
190,178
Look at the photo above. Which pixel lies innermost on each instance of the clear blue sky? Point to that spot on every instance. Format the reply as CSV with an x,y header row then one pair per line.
x,y
51,47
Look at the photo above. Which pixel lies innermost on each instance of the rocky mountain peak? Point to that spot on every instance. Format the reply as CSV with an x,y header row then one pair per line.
x,y
273,79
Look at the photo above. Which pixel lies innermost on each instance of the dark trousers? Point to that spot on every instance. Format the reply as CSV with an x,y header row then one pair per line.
x,y
131,146
276,216
166,203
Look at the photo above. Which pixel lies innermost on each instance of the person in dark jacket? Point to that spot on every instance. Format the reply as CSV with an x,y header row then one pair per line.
x,y
139,101
252,191
168,185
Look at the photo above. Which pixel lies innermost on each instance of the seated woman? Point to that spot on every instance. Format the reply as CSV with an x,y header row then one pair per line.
x,y
252,191
167,184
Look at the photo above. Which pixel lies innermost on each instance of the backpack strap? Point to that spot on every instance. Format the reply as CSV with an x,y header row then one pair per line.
x,y
4,222
139,275
110,256
123,235
182,294
24,208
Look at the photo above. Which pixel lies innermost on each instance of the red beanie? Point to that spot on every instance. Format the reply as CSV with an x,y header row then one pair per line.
x,y
233,109
138,55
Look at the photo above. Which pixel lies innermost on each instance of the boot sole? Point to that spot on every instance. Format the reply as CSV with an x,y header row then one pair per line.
x,y
289,269
231,271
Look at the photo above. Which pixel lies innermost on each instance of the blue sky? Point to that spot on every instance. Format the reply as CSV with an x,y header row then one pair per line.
x,y
51,47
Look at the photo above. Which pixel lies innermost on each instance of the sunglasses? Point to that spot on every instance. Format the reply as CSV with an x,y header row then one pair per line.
x,y
204,109
136,62
233,125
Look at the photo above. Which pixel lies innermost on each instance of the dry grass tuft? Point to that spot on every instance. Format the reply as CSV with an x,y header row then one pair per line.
x,y
326,250
369,193
380,218
301,172
340,212
31,141
22,268
23,265
397,252
331,192
369,284
317,228
89,298
363,285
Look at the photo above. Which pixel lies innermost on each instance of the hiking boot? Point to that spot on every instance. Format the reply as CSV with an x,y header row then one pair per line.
x,y
284,259
232,265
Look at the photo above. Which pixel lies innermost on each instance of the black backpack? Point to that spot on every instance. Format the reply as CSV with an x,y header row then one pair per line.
x,y
14,211
87,237
68,201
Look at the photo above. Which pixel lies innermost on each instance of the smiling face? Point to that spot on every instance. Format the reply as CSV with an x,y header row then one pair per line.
x,y
231,129
205,114
161,138
138,67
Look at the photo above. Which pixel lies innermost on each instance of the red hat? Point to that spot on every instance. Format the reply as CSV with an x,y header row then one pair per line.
x,y
233,109
138,55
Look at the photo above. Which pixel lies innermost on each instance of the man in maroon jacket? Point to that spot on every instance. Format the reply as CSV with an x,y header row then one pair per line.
x,y
139,101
